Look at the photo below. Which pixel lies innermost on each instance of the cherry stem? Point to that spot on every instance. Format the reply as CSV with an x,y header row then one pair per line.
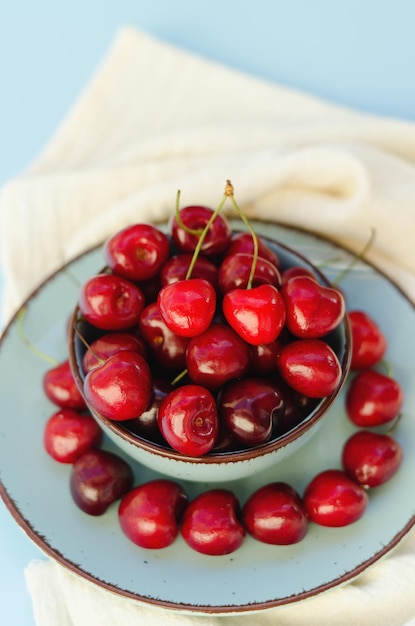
x,y
358,257
84,341
229,193
203,236
179,377
20,327
187,229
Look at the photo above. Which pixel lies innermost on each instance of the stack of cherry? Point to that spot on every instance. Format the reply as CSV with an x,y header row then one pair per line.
x,y
204,342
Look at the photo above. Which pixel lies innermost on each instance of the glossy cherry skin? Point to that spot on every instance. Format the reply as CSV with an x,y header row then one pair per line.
x,y
176,268
120,388
146,424
264,357
149,514
310,366
99,478
165,347
257,314
109,344
247,408
313,310
243,243
332,498
60,387
196,217
369,344
187,306
235,269
188,420
68,434
373,399
137,252
211,523
110,302
370,458
275,514
217,356
294,271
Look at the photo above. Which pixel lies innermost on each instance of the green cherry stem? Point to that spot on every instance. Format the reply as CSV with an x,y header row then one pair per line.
x,y
20,328
84,341
192,231
358,257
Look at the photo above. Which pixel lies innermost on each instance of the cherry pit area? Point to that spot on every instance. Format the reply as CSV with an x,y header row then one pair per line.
x,y
257,576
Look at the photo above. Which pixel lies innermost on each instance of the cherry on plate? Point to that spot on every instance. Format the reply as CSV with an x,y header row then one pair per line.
x,y
370,458
60,387
68,434
373,399
369,343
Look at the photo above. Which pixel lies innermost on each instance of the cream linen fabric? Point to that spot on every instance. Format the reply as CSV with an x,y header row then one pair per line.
x,y
155,119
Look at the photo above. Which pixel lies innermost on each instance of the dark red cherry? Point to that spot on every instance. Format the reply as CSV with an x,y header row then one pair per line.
x,y
187,306
234,272
243,243
275,514
166,347
109,344
373,399
188,420
177,266
369,343
211,523
196,218
264,357
68,434
294,271
217,356
137,252
99,478
370,458
150,514
60,387
146,424
110,302
332,498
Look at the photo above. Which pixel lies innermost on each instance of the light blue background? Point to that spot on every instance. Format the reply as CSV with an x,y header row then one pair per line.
x,y
359,53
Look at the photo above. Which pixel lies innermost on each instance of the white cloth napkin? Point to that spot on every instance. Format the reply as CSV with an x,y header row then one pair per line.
x,y
155,119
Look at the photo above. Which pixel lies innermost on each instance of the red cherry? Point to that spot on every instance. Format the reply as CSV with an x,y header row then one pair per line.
x,y
177,266
257,314
275,514
217,356
196,218
294,271
235,269
369,344
149,514
264,357
121,387
99,478
332,498
68,434
166,347
109,344
146,424
188,420
310,366
243,243
371,458
313,310
211,523
373,399
60,387
248,407
137,252
187,306
110,302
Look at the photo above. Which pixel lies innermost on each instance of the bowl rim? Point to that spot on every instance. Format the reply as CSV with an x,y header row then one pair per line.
x,y
232,456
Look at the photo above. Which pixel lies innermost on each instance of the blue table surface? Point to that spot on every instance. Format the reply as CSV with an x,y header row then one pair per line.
x,y
359,53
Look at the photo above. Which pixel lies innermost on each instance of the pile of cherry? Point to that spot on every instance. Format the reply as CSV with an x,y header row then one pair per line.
x,y
193,333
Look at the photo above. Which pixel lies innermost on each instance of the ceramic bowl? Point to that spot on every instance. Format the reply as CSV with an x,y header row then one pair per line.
x,y
219,466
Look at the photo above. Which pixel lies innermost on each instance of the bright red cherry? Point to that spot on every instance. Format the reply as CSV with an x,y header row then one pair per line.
x,y
109,344
211,523
60,387
188,420
310,366
257,314
110,302
68,434
371,458
121,387
137,252
99,478
373,398
275,514
187,306
244,243
235,269
196,218
313,310
167,349
217,356
332,498
369,344
149,514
